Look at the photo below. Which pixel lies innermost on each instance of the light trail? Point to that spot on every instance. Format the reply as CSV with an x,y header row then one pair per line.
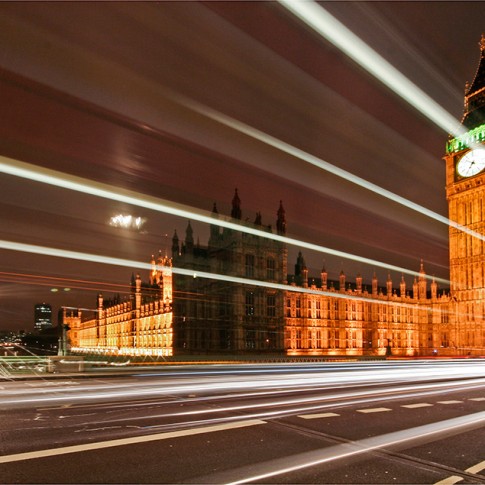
x,y
469,375
282,466
326,166
78,184
62,253
336,400
325,24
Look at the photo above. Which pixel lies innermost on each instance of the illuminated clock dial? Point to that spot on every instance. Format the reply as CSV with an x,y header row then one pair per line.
x,y
471,163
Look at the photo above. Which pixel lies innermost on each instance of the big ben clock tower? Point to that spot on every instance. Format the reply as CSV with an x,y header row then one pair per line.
x,y
465,191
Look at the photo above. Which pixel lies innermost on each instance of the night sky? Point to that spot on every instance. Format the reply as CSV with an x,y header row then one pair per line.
x,y
121,93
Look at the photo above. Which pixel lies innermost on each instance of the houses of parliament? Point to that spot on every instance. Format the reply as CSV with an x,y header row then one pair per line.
x,y
175,312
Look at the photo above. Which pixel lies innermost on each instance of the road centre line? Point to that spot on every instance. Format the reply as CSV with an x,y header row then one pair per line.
x,y
450,402
450,480
317,416
476,468
127,441
455,479
373,410
477,399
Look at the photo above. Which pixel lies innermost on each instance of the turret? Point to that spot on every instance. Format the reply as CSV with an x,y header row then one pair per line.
x,y
342,281
415,289
281,221
100,307
305,276
374,284
189,238
138,292
175,245
434,289
215,230
422,283
300,264
153,271
389,285
358,283
324,277
402,287
236,207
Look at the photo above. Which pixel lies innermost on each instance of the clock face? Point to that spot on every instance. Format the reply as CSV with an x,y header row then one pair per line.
x,y
471,163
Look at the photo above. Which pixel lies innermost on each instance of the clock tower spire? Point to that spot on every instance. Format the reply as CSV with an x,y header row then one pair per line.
x,y
474,113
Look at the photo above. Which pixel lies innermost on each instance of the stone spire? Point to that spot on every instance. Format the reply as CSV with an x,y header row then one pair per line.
x,y
236,207
281,221
215,230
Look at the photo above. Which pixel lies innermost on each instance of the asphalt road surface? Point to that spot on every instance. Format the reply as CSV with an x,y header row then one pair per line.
x,y
383,422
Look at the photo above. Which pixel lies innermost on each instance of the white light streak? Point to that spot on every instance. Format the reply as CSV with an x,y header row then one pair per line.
x,y
98,189
315,16
326,166
325,455
63,253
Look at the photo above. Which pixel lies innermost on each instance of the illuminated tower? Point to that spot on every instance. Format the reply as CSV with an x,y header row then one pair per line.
x,y
465,191
42,316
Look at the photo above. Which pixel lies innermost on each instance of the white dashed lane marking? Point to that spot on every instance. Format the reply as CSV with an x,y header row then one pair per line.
x,y
381,410
477,468
449,481
417,405
317,416
373,410
455,479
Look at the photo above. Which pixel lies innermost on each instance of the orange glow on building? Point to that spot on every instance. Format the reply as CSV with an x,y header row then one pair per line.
x,y
140,326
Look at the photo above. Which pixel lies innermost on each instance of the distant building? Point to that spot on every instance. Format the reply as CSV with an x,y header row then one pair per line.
x,y
42,316
139,325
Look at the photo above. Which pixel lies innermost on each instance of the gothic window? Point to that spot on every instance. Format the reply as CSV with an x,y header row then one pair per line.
x,y
298,308
270,269
271,305
250,339
249,265
319,339
250,303
298,339
318,311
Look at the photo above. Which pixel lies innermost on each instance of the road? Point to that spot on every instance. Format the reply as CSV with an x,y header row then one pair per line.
x,y
379,422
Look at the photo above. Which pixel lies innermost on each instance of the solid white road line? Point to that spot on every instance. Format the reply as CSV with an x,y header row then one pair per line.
x,y
449,402
317,416
127,441
477,399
